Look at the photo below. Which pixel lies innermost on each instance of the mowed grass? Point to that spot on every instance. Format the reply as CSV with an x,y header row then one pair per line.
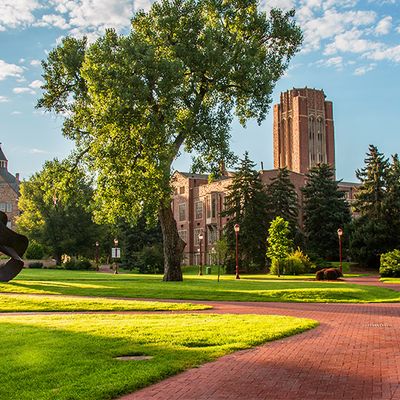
x,y
193,287
73,356
22,302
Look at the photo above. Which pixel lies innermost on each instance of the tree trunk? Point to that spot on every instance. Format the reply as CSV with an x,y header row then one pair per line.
x,y
173,245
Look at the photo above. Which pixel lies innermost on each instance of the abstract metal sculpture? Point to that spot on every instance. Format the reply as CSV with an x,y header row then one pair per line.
x,y
14,245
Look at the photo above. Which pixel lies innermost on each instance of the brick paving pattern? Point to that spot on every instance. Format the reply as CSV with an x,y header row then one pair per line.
x,y
354,354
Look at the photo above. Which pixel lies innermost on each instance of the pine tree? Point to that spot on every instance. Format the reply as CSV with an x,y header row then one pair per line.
x,y
283,199
371,194
377,228
325,210
246,205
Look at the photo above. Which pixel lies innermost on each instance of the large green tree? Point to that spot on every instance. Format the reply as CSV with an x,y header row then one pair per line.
x,y
325,210
56,210
176,81
246,205
377,228
282,199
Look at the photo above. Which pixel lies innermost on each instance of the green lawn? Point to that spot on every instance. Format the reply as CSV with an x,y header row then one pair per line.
x,y
193,287
22,302
390,280
72,356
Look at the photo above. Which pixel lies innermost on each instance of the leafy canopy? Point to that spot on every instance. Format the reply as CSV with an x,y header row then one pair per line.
x,y
186,68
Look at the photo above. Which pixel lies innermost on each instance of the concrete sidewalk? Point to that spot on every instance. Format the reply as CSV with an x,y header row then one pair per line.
x,y
353,354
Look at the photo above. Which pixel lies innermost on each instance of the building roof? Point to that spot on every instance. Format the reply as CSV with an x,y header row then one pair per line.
x,y
2,156
194,176
10,179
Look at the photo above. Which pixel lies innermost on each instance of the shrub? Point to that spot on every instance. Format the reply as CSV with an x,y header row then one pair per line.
x,y
150,260
82,264
320,275
34,251
331,274
295,264
276,267
35,265
390,264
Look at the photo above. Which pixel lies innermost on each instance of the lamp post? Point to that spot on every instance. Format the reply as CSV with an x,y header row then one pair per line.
x,y
116,255
201,259
237,229
340,233
96,255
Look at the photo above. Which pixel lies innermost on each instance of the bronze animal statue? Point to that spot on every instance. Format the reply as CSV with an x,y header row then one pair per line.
x,y
13,245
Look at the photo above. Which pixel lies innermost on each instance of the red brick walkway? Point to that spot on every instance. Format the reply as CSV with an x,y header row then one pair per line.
x,y
353,354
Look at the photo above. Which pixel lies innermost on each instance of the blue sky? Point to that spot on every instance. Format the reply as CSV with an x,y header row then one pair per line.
x,y
351,50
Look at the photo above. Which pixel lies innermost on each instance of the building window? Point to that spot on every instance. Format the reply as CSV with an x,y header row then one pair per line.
x,y
182,190
3,207
197,232
8,224
199,210
182,212
183,235
213,207
9,207
212,234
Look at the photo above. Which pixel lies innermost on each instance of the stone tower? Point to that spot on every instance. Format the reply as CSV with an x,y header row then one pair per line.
x,y
303,130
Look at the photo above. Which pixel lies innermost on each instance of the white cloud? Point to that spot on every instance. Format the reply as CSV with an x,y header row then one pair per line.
x,y
351,42
384,26
331,24
4,99
7,70
37,151
52,20
20,90
364,69
388,53
35,63
16,113
15,13
37,84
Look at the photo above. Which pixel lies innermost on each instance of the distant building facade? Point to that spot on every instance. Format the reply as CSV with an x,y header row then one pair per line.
x,y
9,190
303,130
303,137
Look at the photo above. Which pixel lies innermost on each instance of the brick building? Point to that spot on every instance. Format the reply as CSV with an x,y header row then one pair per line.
x,y
9,190
303,136
303,130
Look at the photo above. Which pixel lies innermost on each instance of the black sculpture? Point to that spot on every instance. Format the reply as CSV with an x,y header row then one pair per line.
x,y
14,245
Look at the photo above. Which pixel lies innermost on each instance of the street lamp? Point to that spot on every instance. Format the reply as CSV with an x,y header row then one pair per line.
x,y
340,234
237,229
201,259
116,255
97,255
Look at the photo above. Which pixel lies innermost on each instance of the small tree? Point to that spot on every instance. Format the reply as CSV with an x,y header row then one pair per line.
x,y
279,242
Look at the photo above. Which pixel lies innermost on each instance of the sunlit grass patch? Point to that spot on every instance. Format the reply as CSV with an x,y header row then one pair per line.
x,y
20,302
73,356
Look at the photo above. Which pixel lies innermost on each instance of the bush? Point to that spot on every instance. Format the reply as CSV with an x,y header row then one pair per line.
x,y
81,264
329,274
150,260
390,264
34,251
35,265
320,275
295,264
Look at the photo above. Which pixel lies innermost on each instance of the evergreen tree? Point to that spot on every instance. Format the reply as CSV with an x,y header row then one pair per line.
x,y
246,205
371,194
325,210
377,228
282,199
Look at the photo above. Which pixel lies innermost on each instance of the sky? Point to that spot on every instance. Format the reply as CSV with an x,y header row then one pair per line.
x,y
351,50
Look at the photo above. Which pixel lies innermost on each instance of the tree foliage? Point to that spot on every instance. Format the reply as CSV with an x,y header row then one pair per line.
x,y
282,199
325,210
56,210
246,205
175,81
377,228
